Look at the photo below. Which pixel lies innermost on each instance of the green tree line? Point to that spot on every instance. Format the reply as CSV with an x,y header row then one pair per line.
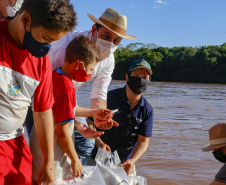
x,y
205,64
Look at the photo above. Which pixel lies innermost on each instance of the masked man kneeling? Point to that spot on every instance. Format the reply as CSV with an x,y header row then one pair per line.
x,y
134,115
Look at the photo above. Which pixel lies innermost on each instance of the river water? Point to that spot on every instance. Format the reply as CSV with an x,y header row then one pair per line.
x,y
183,113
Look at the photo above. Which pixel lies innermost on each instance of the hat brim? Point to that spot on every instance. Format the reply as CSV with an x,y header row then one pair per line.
x,y
213,147
95,20
142,67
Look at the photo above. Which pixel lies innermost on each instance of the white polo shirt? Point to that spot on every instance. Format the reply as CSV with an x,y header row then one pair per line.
x,y
101,75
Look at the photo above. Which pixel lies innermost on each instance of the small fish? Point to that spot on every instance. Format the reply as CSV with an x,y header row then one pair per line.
x,y
113,111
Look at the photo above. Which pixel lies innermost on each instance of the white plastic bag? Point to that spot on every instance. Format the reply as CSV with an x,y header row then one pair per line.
x,y
108,164
91,175
106,172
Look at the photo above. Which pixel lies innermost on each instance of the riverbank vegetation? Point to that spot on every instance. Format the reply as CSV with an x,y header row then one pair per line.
x,y
204,64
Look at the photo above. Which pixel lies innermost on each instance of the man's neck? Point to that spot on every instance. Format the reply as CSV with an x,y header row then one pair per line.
x,y
132,98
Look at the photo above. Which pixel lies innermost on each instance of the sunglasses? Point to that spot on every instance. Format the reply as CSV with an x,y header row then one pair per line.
x,y
131,119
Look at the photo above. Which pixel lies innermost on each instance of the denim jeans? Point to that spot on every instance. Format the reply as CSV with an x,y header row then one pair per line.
x,y
83,146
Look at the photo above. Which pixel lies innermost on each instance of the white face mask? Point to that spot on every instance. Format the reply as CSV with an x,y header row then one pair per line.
x,y
105,47
11,10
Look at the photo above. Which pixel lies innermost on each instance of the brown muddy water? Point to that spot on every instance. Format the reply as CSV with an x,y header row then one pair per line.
x,y
183,113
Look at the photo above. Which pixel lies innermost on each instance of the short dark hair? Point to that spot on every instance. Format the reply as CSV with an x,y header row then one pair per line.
x,y
82,48
51,14
98,26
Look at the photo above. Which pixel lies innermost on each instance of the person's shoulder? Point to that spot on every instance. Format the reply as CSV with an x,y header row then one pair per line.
x,y
109,59
147,105
63,42
73,34
115,92
62,82
115,95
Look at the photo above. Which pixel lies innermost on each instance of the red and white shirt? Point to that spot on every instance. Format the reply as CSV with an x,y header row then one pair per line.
x,y
24,79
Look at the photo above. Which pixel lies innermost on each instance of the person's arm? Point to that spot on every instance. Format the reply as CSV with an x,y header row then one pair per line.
x,y
65,140
100,103
97,103
138,152
45,128
86,131
101,82
220,177
98,112
103,121
217,183
98,142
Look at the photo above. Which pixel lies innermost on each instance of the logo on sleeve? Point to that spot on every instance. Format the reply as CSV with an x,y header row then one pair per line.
x,y
14,89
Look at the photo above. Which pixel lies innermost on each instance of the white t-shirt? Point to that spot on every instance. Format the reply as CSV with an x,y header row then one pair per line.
x,y
101,75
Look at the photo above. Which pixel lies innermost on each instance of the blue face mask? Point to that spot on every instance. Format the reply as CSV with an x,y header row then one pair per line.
x,y
37,49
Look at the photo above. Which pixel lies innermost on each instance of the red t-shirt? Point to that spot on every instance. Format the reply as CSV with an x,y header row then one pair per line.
x,y
24,79
64,96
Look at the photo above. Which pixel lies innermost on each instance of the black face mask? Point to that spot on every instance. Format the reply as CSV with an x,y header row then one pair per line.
x,y
137,85
219,155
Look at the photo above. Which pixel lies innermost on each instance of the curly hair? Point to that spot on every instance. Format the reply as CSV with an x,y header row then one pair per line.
x,y
51,14
81,48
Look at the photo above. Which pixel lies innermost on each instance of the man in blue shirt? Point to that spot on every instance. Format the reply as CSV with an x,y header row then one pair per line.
x,y
134,115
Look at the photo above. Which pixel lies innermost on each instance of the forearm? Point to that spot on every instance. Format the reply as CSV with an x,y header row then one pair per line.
x,y
98,141
83,112
97,103
66,143
45,131
139,150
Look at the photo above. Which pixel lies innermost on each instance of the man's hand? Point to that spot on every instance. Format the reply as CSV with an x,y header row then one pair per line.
x,y
102,114
47,174
105,125
128,165
87,132
77,168
100,144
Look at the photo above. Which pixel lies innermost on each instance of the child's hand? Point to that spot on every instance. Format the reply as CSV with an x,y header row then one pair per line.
x,y
87,132
77,168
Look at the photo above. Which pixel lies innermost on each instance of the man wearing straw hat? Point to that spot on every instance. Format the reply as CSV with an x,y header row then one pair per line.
x,y
217,137
106,33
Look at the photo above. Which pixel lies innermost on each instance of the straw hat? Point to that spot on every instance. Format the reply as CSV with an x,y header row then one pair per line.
x,y
113,21
217,137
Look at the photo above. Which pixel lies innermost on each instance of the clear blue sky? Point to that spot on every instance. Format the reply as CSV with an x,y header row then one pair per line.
x,y
167,23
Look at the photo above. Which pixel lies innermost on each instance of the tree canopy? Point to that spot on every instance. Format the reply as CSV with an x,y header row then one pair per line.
x,y
178,64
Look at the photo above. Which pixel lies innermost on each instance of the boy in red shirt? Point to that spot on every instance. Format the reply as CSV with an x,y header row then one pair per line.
x,y
81,57
26,78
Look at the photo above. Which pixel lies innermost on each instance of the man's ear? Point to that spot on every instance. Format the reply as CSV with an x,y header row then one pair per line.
x,y
127,78
94,29
26,20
